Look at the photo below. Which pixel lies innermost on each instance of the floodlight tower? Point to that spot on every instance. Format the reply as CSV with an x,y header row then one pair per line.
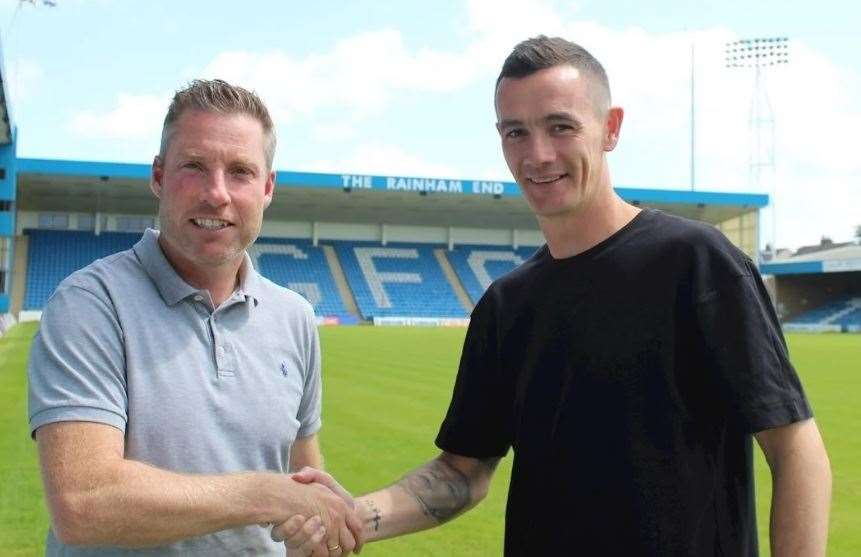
x,y
760,54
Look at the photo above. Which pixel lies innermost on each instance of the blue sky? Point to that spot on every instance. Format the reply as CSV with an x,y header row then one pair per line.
x,y
397,87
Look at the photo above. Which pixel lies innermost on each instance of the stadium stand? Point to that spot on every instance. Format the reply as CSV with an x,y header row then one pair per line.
x,y
851,320
397,280
55,254
845,312
296,264
300,266
478,266
402,272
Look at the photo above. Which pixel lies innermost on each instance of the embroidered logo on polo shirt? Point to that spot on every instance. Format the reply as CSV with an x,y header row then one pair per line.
x,y
284,369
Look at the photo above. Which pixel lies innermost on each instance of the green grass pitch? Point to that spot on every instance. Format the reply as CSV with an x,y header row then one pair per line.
x,y
385,392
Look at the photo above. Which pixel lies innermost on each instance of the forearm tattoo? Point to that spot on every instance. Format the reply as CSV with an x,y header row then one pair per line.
x,y
441,490
376,516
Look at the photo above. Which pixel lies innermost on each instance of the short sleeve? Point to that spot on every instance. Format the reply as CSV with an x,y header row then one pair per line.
x,y
310,405
480,417
747,351
76,369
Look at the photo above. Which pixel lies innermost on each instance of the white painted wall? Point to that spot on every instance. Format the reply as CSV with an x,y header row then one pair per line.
x,y
347,231
497,237
530,238
414,234
30,219
344,231
286,229
24,219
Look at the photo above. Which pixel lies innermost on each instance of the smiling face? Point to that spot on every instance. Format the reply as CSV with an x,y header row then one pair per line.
x,y
555,127
213,185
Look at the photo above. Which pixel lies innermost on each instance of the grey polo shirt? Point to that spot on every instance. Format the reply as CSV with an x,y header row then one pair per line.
x,y
128,343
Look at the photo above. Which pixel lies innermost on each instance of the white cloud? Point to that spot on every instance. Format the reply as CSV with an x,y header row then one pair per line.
x,y
818,111
361,73
134,116
365,72
383,159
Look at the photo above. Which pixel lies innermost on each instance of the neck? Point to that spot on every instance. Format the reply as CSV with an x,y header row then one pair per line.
x,y
219,280
573,233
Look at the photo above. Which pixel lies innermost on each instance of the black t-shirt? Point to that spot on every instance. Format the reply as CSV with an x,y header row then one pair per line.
x,y
628,380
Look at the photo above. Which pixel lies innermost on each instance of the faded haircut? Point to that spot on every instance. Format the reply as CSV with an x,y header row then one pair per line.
x,y
219,96
542,52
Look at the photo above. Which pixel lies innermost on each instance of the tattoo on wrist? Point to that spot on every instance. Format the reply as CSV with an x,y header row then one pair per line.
x,y
377,516
441,490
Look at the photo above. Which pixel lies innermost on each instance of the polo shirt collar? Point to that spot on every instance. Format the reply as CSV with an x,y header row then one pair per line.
x,y
171,286
250,281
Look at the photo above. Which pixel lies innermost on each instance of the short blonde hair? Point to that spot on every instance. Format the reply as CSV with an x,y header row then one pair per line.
x,y
217,95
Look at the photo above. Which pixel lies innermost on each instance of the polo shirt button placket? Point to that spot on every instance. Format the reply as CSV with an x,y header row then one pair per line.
x,y
219,349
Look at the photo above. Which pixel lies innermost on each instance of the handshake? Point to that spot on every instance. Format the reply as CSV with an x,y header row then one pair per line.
x,y
320,518
327,523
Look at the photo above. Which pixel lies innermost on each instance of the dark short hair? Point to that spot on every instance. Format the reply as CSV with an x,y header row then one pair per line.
x,y
217,95
542,52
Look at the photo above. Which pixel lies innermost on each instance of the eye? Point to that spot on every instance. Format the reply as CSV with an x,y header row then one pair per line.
x,y
515,133
562,128
192,165
242,171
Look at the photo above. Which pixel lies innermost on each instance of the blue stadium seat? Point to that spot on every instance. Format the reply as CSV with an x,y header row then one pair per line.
x,y
851,319
478,266
397,280
393,280
845,312
299,266
55,254
296,264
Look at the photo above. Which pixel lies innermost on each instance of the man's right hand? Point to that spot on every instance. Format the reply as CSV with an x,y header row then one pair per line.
x,y
333,528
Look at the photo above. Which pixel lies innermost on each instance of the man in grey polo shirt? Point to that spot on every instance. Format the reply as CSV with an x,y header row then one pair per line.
x,y
171,386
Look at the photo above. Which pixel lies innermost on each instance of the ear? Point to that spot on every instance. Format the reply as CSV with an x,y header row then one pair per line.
x,y
156,174
613,127
270,189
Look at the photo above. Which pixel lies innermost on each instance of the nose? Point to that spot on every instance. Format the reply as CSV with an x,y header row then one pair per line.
x,y
539,150
215,191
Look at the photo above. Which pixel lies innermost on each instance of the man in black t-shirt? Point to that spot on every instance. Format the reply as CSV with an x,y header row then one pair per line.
x,y
628,364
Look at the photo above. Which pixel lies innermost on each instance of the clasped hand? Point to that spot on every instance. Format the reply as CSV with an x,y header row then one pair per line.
x,y
332,529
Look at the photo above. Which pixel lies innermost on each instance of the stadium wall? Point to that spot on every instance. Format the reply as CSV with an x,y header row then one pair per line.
x,y
83,221
382,233
743,231
8,181
385,233
287,229
413,234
